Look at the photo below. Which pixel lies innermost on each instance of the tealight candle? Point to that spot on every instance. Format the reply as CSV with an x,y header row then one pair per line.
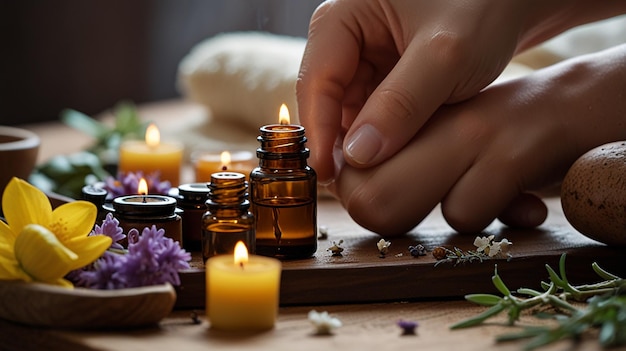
x,y
207,163
242,291
143,210
151,156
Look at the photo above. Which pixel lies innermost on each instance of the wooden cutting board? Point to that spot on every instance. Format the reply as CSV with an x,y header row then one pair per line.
x,y
359,275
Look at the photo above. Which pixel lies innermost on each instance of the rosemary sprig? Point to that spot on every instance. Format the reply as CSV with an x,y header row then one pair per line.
x,y
457,256
605,309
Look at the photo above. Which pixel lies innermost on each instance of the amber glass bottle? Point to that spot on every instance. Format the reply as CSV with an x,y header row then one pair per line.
x,y
283,190
192,200
228,218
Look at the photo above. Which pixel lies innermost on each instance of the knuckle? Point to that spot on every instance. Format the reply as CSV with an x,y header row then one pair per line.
x,y
397,103
449,48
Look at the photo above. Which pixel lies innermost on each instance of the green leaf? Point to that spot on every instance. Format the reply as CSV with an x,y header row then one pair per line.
x,y
83,123
127,120
602,273
470,322
554,277
484,299
499,284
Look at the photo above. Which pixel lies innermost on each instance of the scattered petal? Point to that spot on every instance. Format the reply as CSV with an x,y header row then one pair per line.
x,y
336,249
408,327
323,322
383,247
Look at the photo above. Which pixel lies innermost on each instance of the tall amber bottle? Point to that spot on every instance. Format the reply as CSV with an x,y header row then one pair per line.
x,y
227,219
283,190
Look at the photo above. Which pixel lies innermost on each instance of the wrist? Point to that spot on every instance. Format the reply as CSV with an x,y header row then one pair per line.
x,y
544,19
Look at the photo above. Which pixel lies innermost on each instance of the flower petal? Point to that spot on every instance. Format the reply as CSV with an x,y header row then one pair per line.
x,y
6,234
7,239
41,255
24,204
10,270
88,248
73,220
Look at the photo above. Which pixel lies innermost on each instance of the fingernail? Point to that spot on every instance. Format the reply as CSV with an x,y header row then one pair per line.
x,y
364,144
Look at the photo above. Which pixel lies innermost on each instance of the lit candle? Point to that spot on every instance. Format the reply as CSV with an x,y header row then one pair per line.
x,y
242,291
144,210
207,163
152,155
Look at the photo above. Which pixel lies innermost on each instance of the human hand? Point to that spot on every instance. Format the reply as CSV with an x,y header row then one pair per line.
x,y
374,71
480,158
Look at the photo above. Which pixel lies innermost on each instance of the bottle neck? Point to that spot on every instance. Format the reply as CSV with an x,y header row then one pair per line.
x,y
228,190
282,147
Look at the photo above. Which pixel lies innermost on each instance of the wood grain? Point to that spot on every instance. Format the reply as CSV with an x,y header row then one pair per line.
x,y
360,275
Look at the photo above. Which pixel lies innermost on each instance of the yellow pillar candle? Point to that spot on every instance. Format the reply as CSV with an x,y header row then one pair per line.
x,y
242,291
151,156
207,163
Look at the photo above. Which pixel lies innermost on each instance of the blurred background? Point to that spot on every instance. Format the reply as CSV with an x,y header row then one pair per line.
x,y
89,55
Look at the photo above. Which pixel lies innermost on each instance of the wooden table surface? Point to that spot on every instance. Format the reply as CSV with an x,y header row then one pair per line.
x,y
366,326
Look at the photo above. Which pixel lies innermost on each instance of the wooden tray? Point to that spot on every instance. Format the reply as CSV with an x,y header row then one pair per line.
x,y
360,275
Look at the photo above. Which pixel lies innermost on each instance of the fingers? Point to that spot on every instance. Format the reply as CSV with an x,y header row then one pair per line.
x,y
400,105
392,198
321,83
525,211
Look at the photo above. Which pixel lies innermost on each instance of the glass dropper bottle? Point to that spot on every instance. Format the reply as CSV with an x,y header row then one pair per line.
x,y
283,190
227,219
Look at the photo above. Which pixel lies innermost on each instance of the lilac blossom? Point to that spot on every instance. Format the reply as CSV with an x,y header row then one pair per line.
x,y
151,259
127,184
110,227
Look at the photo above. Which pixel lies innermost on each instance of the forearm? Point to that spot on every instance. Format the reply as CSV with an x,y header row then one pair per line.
x,y
547,19
592,99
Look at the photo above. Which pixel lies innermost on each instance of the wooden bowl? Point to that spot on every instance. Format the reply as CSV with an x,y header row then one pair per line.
x,y
18,154
43,305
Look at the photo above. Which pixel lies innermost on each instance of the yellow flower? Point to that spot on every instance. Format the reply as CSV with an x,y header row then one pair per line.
x,y
39,244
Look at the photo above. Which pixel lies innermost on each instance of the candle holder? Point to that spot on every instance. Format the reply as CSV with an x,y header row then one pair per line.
x,y
283,190
227,219
140,211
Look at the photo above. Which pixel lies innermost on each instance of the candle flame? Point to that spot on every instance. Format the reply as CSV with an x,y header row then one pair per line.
x,y
225,158
241,253
283,115
142,188
153,136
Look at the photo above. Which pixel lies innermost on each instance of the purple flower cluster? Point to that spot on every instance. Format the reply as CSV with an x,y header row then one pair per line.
x,y
151,259
110,227
127,184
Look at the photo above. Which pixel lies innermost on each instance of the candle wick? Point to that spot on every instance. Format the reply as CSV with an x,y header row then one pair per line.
x,y
144,199
241,265
224,168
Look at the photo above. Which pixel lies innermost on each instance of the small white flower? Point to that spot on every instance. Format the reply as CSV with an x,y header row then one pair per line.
x,y
383,246
503,247
323,322
482,243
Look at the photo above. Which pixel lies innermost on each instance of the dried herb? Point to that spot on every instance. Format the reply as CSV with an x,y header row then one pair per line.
x,y
605,308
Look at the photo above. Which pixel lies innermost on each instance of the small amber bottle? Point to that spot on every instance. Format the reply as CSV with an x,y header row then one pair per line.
x,y
283,190
192,200
228,218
